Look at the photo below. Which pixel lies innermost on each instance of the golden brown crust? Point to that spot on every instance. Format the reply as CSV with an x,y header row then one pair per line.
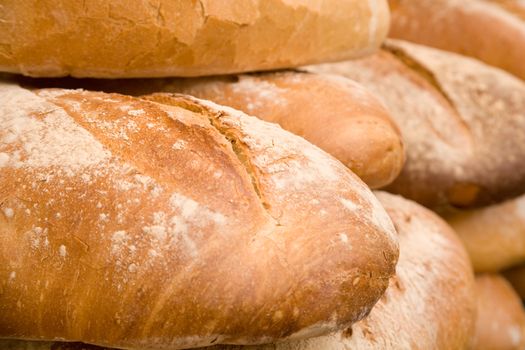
x,y
334,113
462,122
132,38
492,31
501,318
494,236
430,303
130,223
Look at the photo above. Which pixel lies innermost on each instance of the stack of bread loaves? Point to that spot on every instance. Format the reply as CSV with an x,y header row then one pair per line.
x,y
222,198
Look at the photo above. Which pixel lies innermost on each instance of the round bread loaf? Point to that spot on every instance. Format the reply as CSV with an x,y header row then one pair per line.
x,y
500,322
134,38
334,113
130,223
429,304
494,236
463,123
492,31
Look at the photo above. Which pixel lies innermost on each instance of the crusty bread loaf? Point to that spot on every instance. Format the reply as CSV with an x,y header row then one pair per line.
x,y
516,277
494,236
160,225
134,38
492,31
332,112
500,323
463,123
430,303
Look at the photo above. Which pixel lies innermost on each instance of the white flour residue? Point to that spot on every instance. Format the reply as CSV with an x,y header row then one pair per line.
x,y
136,112
515,335
183,226
350,205
139,182
38,237
8,212
180,144
62,250
47,134
261,92
119,240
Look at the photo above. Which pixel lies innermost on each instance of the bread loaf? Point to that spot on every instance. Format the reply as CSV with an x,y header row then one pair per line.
x,y
501,318
463,123
133,38
334,113
494,236
429,304
492,31
177,223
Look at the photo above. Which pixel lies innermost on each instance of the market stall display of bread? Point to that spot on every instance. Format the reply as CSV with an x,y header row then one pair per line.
x,y
199,174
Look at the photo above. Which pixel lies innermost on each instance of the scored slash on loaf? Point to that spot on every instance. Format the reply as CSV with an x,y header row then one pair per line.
x,y
208,219
462,121
362,133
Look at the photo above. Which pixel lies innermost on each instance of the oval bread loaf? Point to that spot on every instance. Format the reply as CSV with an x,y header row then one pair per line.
x,y
500,322
134,38
131,223
494,236
334,113
492,31
462,121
